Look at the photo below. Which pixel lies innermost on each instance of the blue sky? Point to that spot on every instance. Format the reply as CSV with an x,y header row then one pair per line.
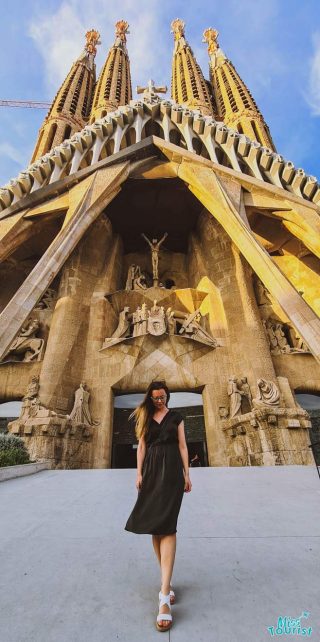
x,y
274,44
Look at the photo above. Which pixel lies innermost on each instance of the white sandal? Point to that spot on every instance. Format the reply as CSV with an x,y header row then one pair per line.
x,y
164,599
172,595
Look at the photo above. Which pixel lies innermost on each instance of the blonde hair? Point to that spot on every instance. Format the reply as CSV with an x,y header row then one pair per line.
x,y
144,412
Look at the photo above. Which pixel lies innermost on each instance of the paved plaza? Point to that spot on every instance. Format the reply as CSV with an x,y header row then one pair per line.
x,y
248,551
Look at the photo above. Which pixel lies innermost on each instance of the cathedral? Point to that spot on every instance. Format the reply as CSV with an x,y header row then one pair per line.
x,y
159,239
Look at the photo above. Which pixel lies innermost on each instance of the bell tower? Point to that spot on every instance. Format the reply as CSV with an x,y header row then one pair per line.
x,y
188,86
114,83
235,104
70,109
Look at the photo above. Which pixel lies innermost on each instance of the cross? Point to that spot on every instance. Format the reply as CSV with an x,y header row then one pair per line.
x,y
151,90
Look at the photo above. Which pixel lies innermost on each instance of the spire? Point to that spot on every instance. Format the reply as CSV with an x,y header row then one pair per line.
x,y
114,83
235,105
188,86
70,109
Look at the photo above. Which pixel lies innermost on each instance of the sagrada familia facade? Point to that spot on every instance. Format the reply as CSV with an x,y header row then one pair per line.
x,y
159,239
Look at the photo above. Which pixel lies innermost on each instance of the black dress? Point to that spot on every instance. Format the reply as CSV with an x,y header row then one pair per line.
x,y
160,496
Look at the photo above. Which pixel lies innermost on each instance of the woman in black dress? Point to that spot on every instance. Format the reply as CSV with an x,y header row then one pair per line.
x,y
162,478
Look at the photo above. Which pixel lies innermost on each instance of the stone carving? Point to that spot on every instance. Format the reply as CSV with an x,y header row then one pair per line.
x,y
47,301
158,321
123,328
26,343
235,395
192,328
80,413
301,346
278,341
136,280
155,249
247,396
33,388
261,292
223,412
268,393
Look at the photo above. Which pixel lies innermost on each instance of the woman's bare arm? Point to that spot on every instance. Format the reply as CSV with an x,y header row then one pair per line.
x,y
183,448
141,452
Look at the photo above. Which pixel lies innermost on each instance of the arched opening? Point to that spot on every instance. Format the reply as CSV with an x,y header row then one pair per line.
x,y
124,442
151,128
174,136
67,132
311,403
9,411
49,141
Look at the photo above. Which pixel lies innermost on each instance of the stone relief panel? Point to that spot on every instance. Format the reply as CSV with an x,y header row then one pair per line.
x,y
281,335
29,344
158,320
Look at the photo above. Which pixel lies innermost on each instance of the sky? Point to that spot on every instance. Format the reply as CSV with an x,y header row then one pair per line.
x,y
274,45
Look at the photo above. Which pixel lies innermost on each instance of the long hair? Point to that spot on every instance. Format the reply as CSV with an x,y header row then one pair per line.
x,y
144,412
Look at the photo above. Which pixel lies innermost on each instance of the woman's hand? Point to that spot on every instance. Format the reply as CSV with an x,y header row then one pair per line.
x,y
187,484
138,481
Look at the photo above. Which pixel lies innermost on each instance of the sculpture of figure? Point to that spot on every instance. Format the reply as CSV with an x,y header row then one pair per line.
x,y
281,338
273,341
47,301
136,321
268,393
156,320
235,397
246,401
27,343
246,389
155,249
143,319
33,388
171,322
130,277
194,330
140,321
80,413
139,281
123,327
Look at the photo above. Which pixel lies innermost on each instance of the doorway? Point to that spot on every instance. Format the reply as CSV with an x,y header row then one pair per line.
x,y
124,442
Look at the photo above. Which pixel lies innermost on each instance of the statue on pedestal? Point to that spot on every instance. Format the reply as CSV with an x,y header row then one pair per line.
x,y
80,413
235,395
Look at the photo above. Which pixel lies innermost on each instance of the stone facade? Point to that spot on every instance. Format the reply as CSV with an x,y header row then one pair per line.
x,y
159,260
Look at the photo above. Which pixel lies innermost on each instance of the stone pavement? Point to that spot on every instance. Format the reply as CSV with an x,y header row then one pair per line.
x,y
248,551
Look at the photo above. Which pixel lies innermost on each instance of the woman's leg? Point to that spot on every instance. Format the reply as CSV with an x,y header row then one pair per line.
x,y
156,546
168,544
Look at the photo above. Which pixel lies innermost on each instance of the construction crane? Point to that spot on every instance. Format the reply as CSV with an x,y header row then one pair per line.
x,y
30,104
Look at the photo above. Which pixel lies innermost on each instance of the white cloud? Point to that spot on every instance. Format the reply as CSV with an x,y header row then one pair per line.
x,y
59,37
12,153
314,77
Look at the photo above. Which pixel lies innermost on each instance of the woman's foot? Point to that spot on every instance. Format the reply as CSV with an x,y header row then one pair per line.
x,y
164,624
172,595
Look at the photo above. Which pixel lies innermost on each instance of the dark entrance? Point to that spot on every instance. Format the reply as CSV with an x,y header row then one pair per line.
x,y
124,443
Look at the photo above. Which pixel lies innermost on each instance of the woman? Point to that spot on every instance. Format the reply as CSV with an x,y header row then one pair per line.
x,y
162,478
